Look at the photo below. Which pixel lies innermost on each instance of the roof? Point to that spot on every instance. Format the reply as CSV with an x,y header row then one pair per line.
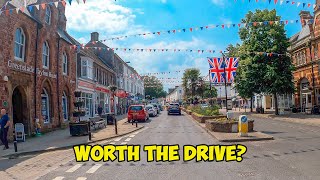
x,y
19,3
64,35
305,32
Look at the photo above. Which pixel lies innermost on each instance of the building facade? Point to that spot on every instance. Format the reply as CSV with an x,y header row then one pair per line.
x,y
304,50
37,67
176,95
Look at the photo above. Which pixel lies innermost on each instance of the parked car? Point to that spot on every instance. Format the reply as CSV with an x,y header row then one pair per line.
x,y
151,110
156,107
204,105
137,112
174,109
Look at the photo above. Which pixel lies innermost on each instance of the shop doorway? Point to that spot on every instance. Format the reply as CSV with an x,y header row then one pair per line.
x,y
19,108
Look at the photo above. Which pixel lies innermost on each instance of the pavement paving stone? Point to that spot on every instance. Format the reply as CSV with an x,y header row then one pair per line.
x,y
60,139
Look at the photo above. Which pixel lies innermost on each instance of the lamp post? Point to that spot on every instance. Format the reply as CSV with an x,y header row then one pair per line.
x,y
113,88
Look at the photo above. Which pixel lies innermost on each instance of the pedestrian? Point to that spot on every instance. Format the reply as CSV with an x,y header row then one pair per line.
x,y
5,123
100,110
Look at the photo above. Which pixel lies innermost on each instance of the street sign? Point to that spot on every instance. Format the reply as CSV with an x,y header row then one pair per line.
x,y
229,104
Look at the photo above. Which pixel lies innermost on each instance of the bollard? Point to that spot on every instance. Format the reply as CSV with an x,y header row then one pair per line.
x,y
132,122
243,126
89,131
136,123
15,144
115,125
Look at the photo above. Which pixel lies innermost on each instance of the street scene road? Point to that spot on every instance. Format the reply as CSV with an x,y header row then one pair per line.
x,y
292,155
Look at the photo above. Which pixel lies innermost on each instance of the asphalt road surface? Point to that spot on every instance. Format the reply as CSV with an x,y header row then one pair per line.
x,y
294,154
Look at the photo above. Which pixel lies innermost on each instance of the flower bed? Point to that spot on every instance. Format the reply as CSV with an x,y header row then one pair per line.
x,y
202,119
227,126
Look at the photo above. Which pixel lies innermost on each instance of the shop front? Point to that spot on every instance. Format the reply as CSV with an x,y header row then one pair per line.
x,y
103,99
87,97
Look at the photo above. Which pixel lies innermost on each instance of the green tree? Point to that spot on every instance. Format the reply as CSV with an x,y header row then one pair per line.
x,y
258,73
189,81
210,92
153,87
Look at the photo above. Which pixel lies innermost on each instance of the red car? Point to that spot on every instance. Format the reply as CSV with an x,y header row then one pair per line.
x,y
137,113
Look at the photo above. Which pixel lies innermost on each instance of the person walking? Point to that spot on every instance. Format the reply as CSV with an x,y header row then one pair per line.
x,y
5,123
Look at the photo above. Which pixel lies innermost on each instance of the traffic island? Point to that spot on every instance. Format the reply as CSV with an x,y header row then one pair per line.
x,y
228,130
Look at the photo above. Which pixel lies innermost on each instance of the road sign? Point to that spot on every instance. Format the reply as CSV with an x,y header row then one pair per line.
x,y
243,126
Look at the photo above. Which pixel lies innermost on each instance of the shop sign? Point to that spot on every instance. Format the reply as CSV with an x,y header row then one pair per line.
x,y
30,69
86,85
102,89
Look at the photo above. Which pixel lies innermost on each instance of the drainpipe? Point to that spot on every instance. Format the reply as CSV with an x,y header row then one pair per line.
x,y
35,77
58,87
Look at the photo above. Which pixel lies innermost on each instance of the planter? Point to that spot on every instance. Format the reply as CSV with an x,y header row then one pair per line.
x,y
227,127
202,119
77,94
79,129
79,113
78,104
189,112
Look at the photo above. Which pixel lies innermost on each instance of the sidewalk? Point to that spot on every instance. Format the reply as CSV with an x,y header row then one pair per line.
x,y
300,118
61,139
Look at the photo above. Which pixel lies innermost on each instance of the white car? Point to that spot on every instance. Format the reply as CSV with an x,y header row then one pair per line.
x,y
151,110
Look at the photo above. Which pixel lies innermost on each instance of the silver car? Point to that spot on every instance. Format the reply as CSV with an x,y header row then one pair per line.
x,y
151,110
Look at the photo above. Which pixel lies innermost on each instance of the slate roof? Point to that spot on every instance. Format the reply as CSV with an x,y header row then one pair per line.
x,y
305,32
64,35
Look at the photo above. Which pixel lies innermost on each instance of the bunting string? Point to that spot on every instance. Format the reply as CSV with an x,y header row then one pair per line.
x,y
207,27
149,50
292,3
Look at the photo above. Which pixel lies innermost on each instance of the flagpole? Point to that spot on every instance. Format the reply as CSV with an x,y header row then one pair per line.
x,y
225,80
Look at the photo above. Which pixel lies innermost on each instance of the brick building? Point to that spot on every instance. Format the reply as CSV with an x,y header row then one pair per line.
x,y
37,67
307,73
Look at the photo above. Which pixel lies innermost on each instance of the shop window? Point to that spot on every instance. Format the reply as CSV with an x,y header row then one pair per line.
x,y
65,64
316,51
45,106
48,15
19,45
65,106
45,55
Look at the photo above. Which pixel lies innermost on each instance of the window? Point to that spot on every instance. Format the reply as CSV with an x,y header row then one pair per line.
x,y
48,15
45,55
316,51
45,106
65,106
19,45
88,103
319,68
86,69
65,64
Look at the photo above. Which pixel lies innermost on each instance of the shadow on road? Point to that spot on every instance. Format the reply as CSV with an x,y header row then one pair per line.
x,y
271,132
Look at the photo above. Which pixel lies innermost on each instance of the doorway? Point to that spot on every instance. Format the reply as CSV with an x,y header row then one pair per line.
x,y
19,108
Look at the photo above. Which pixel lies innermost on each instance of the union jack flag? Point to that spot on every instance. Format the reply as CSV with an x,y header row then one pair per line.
x,y
217,69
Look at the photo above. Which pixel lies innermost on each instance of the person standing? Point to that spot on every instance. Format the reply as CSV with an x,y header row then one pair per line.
x,y
5,124
100,110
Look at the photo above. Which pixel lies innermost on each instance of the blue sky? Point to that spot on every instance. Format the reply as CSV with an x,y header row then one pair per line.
x,y
126,17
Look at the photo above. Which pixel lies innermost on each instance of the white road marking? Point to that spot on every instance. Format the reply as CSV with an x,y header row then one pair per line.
x,y
118,139
58,178
81,178
94,168
131,136
128,139
74,168
124,142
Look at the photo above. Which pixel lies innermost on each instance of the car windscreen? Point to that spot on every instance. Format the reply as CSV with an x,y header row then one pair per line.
x,y
174,106
148,108
136,108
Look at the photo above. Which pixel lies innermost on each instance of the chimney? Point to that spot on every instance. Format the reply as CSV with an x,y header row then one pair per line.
x,y
94,36
305,16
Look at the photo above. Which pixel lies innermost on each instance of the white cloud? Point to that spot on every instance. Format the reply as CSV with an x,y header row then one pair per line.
x,y
103,16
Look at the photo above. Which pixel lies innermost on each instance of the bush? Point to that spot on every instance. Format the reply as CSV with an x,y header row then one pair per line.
x,y
208,111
